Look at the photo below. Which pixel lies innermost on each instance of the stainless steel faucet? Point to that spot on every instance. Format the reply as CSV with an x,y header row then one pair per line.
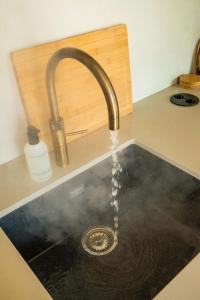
x,y
56,121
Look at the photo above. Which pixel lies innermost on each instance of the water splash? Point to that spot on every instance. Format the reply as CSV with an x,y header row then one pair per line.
x,y
116,170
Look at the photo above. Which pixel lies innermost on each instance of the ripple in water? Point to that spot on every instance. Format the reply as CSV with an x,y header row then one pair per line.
x,y
131,272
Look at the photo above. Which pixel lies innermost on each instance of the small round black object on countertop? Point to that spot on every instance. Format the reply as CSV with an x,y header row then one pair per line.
x,y
183,99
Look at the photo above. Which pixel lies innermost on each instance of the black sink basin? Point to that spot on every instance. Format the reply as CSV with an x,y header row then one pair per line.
x,y
159,230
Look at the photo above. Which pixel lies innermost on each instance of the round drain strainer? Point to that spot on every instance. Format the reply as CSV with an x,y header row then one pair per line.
x,y
99,240
184,99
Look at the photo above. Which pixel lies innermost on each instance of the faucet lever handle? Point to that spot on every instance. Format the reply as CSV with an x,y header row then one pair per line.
x,y
76,132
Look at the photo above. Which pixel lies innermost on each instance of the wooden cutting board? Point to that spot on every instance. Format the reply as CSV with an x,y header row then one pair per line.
x,y
80,99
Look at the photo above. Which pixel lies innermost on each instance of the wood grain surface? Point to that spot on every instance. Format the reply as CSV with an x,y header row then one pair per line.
x,y
80,99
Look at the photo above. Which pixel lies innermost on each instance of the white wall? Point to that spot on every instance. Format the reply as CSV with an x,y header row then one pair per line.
x,y
162,37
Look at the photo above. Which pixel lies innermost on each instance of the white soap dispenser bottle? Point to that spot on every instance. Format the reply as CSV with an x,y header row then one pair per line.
x,y
37,156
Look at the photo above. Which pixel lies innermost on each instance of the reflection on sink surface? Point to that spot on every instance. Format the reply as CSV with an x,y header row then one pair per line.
x,y
159,230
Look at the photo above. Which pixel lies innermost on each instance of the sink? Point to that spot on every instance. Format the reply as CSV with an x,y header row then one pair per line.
x,y
159,230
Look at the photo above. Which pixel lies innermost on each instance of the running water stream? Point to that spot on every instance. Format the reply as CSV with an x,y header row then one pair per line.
x,y
101,240
116,170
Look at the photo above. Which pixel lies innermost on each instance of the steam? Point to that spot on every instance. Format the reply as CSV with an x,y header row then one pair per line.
x,y
73,207
84,201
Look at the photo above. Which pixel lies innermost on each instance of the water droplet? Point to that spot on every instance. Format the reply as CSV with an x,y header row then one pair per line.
x,y
115,219
114,192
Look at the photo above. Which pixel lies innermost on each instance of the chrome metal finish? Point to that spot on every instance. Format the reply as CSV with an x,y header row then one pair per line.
x,y
99,240
56,122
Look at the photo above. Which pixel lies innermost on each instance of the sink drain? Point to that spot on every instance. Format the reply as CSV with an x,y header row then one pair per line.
x,y
184,99
99,240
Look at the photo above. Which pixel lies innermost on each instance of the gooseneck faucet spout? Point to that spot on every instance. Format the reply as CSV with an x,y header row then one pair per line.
x,y
56,121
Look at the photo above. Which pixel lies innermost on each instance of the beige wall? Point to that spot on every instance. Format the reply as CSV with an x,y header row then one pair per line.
x,y
162,37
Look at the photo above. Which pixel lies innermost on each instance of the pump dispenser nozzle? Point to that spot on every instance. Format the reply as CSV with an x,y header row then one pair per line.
x,y
32,133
